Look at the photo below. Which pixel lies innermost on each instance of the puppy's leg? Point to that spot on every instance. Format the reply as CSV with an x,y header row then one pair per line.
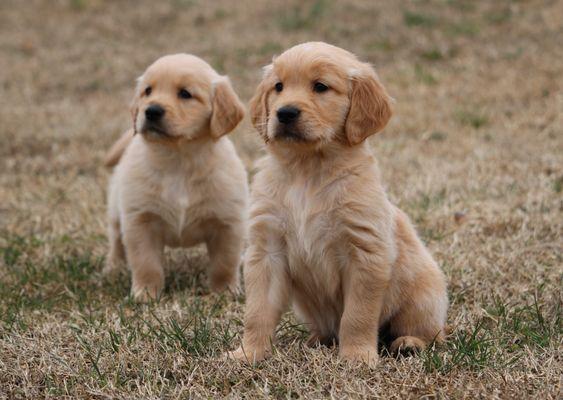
x,y
144,248
225,250
421,320
116,256
364,289
267,286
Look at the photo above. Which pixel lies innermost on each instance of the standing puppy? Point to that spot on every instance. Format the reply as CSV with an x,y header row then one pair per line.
x,y
323,235
179,181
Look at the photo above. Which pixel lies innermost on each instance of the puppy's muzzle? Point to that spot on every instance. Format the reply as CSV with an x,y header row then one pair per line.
x,y
154,121
288,114
154,113
288,128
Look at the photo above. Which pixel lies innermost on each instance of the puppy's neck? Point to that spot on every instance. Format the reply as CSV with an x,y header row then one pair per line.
x,y
180,155
331,159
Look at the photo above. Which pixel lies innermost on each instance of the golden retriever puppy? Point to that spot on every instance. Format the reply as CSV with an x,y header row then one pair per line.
x,y
178,180
323,235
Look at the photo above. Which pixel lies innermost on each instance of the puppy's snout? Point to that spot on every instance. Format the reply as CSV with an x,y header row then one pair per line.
x,y
288,114
154,113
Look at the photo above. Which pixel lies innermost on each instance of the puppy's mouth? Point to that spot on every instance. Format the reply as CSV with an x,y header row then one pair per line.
x,y
155,130
290,134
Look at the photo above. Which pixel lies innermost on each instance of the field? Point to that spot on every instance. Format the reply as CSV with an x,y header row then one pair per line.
x,y
474,154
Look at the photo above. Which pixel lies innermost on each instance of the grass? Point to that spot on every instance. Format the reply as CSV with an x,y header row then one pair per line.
x,y
558,184
303,16
474,119
424,76
433,55
473,154
497,340
417,19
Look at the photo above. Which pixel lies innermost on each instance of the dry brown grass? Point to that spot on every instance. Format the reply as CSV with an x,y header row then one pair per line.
x,y
477,132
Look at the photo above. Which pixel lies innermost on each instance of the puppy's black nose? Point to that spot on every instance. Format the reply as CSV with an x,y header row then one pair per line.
x,y
154,112
288,114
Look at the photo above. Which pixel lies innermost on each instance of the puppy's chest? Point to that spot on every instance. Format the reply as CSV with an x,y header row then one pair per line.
x,y
177,200
310,228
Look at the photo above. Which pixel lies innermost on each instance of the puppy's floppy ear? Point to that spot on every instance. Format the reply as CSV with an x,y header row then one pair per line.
x,y
228,111
259,103
370,105
134,107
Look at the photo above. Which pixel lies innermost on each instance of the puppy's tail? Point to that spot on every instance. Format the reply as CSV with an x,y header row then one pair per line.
x,y
116,151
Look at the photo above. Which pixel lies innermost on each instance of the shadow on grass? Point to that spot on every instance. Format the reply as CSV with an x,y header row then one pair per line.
x,y
186,271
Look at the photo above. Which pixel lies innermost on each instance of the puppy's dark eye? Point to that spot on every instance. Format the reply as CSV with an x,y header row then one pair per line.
x,y
279,87
148,91
184,94
320,87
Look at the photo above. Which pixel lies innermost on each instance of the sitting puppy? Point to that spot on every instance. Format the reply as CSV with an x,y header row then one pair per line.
x,y
179,181
323,234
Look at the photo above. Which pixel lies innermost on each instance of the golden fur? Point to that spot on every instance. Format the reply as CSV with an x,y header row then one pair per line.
x,y
116,151
178,182
323,235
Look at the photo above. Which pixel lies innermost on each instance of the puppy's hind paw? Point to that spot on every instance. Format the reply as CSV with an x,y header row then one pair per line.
x,y
407,345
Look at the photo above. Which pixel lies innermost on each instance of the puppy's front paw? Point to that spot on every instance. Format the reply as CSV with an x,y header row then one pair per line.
x,y
367,355
251,356
147,284
407,345
143,293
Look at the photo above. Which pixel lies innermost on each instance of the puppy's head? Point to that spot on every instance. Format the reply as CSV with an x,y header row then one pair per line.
x,y
314,94
181,97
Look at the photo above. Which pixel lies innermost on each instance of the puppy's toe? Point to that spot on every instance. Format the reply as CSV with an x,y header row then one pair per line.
x,y
365,355
147,284
246,355
407,345
144,294
237,354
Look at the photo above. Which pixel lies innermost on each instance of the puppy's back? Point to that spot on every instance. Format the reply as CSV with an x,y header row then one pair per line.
x,y
116,151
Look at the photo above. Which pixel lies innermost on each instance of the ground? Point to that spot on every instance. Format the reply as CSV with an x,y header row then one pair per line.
x,y
474,154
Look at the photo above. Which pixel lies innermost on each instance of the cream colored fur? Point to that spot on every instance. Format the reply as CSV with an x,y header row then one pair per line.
x,y
181,184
